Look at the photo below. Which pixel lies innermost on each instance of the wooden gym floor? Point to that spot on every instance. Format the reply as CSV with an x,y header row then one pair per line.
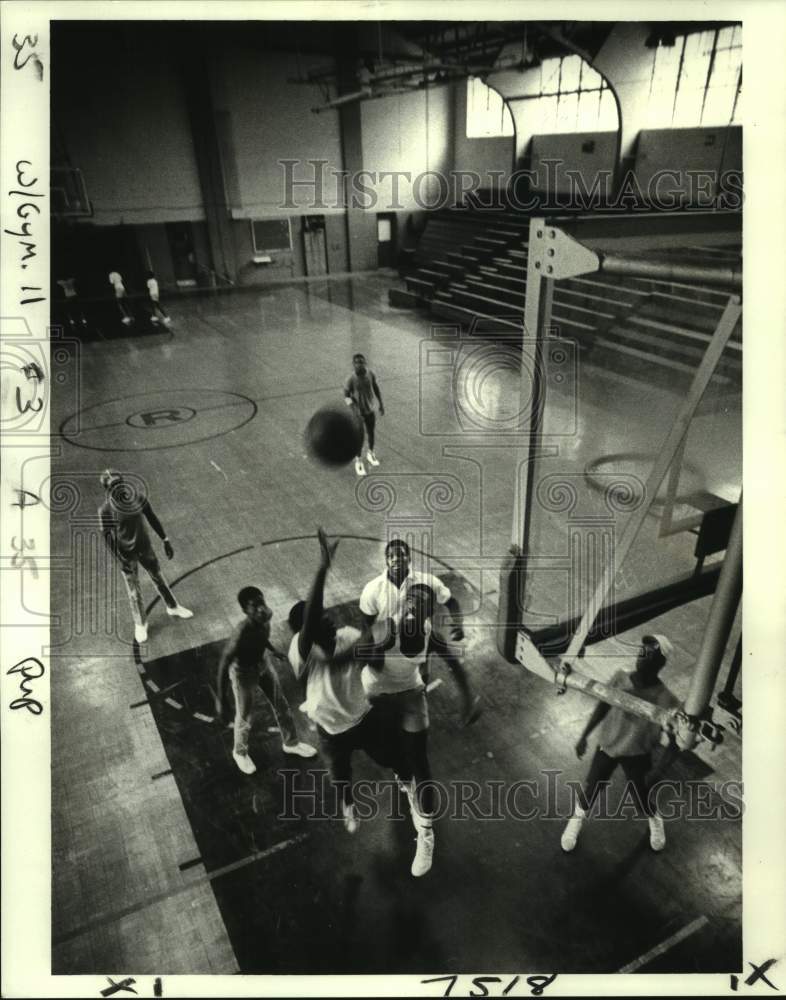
x,y
165,858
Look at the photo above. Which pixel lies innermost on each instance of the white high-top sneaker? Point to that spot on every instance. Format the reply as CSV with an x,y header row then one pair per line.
x,y
350,817
372,458
140,633
424,852
570,834
359,467
244,762
657,833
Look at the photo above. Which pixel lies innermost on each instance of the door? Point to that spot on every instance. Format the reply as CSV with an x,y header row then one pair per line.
x,y
314,245
181,246
386,239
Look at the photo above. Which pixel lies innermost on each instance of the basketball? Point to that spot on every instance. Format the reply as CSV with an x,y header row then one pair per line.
x,y
334,435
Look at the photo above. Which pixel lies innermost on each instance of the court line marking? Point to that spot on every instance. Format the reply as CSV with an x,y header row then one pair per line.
x,y
101,919
258,399
124,423
70,437
257,856
664,946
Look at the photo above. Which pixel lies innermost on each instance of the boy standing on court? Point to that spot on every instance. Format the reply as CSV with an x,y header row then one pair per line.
x,y
157,311
122,518
626,741
245,658
116,281
361,390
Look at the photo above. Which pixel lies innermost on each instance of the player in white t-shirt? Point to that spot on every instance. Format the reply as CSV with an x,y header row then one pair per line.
x,y
385,596
331,659
157,311
116,281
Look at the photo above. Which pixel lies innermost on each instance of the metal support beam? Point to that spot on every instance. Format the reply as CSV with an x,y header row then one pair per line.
x,y
704,372
733,674
719,275
554,254
528,656
719,624
551,254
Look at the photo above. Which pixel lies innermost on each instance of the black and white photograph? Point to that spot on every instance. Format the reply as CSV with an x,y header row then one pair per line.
x,y
375,402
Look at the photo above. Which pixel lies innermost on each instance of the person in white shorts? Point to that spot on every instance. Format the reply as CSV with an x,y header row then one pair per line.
x,y
116,281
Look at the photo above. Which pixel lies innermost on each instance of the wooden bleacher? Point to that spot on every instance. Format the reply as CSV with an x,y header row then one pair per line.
x,y
471,267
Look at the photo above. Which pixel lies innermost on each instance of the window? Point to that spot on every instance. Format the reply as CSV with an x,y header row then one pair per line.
x,y
572,97
696,81
487,114
270,234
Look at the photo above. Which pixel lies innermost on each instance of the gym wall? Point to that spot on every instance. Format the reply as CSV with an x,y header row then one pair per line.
x,y
120,112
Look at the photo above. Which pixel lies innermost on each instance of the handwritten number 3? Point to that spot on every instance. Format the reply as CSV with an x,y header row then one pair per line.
x,y
28,403
27,40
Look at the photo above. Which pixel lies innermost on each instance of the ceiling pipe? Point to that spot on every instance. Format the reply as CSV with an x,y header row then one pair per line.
x,y
358,95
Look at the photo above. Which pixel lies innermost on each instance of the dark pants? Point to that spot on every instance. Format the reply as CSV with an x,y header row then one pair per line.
x,y
374,734
156,309
601,769
122,305
129,565
73,312
405,718
370,422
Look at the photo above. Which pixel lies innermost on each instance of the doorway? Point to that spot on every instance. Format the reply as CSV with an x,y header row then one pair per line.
x,y
181,246
386,239
314,245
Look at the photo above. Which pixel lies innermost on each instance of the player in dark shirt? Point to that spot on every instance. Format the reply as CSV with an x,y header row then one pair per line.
x,y
122,518
361,390
246,659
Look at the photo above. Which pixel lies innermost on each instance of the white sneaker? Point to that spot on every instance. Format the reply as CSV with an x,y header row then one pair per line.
x,y
179,612
244,762
657,833
359,467
140,633
424,852
300,749
167,320
372,458
570,834
127,320
350,819
154,319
